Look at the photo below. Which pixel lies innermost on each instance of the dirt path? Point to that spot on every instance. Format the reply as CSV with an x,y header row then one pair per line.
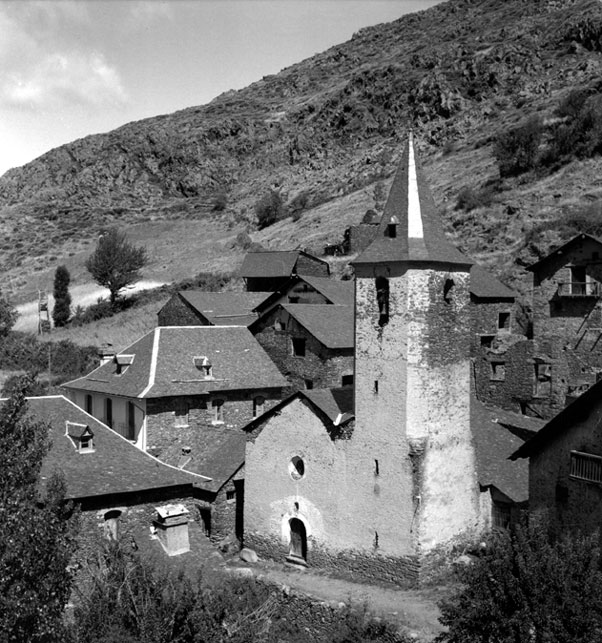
x,y
415,611
81,295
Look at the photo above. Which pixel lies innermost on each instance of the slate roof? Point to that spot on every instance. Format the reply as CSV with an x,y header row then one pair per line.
x,y
225,308
485,286
336,291
562,250
163,364
420,236
273,263
333,402
115,466
332,326
574,413
215,453
334,406
495,442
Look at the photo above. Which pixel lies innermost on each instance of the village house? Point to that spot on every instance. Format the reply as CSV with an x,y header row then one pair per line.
x,y
567,322
312,344
165,389
269,270
565,466
372,492
122,492
201,308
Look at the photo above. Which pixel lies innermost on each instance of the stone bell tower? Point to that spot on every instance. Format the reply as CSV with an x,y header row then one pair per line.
x,y
411,460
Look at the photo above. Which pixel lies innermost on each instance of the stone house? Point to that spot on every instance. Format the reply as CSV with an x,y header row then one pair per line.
x,y
269,270
201,308
176,381
374,492
118,487
312,344
567,322
565,466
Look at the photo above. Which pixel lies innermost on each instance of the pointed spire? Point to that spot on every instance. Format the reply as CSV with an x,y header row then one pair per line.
x,y
410,228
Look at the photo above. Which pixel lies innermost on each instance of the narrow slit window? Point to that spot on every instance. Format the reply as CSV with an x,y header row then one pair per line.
x,y
382,298
448,290
376,468
376,387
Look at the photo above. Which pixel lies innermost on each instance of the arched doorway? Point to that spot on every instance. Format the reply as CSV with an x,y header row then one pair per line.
x,y
298,548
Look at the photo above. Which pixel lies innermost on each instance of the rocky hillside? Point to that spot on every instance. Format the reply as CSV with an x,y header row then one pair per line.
x,y
458,73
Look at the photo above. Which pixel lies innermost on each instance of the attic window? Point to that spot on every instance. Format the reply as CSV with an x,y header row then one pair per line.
x,y
382,298
347,380
203,364
122,362
230,496
392,227
81,436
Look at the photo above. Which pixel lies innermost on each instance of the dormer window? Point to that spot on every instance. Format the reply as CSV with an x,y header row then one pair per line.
x,y
203,364
258,403
122,362
392,227
81,436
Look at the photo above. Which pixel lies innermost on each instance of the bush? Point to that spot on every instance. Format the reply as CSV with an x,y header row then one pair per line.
x,y
298,204
8,316
220,201
525,588
517,150
587,220
243,240
269,209
22,352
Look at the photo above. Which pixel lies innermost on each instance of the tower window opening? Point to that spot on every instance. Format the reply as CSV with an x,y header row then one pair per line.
x,y
376,468
382,298
448,290
376,387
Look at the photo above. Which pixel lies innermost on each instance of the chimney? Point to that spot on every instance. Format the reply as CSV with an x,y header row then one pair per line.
x,y
172,528
106,353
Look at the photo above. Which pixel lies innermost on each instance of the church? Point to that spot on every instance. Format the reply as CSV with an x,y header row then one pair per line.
x,y
371,479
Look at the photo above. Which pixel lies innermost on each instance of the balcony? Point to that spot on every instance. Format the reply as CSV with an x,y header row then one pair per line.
x,y
579,289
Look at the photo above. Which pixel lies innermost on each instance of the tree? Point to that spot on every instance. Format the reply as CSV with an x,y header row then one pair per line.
x,y
517,149
62,299
526,588
269,209
116,263
8,316
37,533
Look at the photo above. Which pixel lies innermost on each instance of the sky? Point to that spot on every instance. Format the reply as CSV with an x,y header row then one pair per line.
x,y
77,67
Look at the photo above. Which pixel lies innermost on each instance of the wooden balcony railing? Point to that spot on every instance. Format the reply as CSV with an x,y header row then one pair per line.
x,y
580,289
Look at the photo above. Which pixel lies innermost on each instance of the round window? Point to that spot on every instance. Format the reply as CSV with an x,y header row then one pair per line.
x,y
296,468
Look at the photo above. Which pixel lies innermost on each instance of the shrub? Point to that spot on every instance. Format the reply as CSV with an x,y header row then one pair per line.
x,y
8,316
298,204
243,240
517,149
525,588
586,220
220,201
469,199
269,209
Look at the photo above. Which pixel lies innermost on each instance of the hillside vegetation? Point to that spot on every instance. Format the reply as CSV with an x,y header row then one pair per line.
x,y
325,135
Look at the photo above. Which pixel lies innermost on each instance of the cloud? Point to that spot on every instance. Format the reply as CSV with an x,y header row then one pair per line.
x,y
59,79
144,12
39,67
